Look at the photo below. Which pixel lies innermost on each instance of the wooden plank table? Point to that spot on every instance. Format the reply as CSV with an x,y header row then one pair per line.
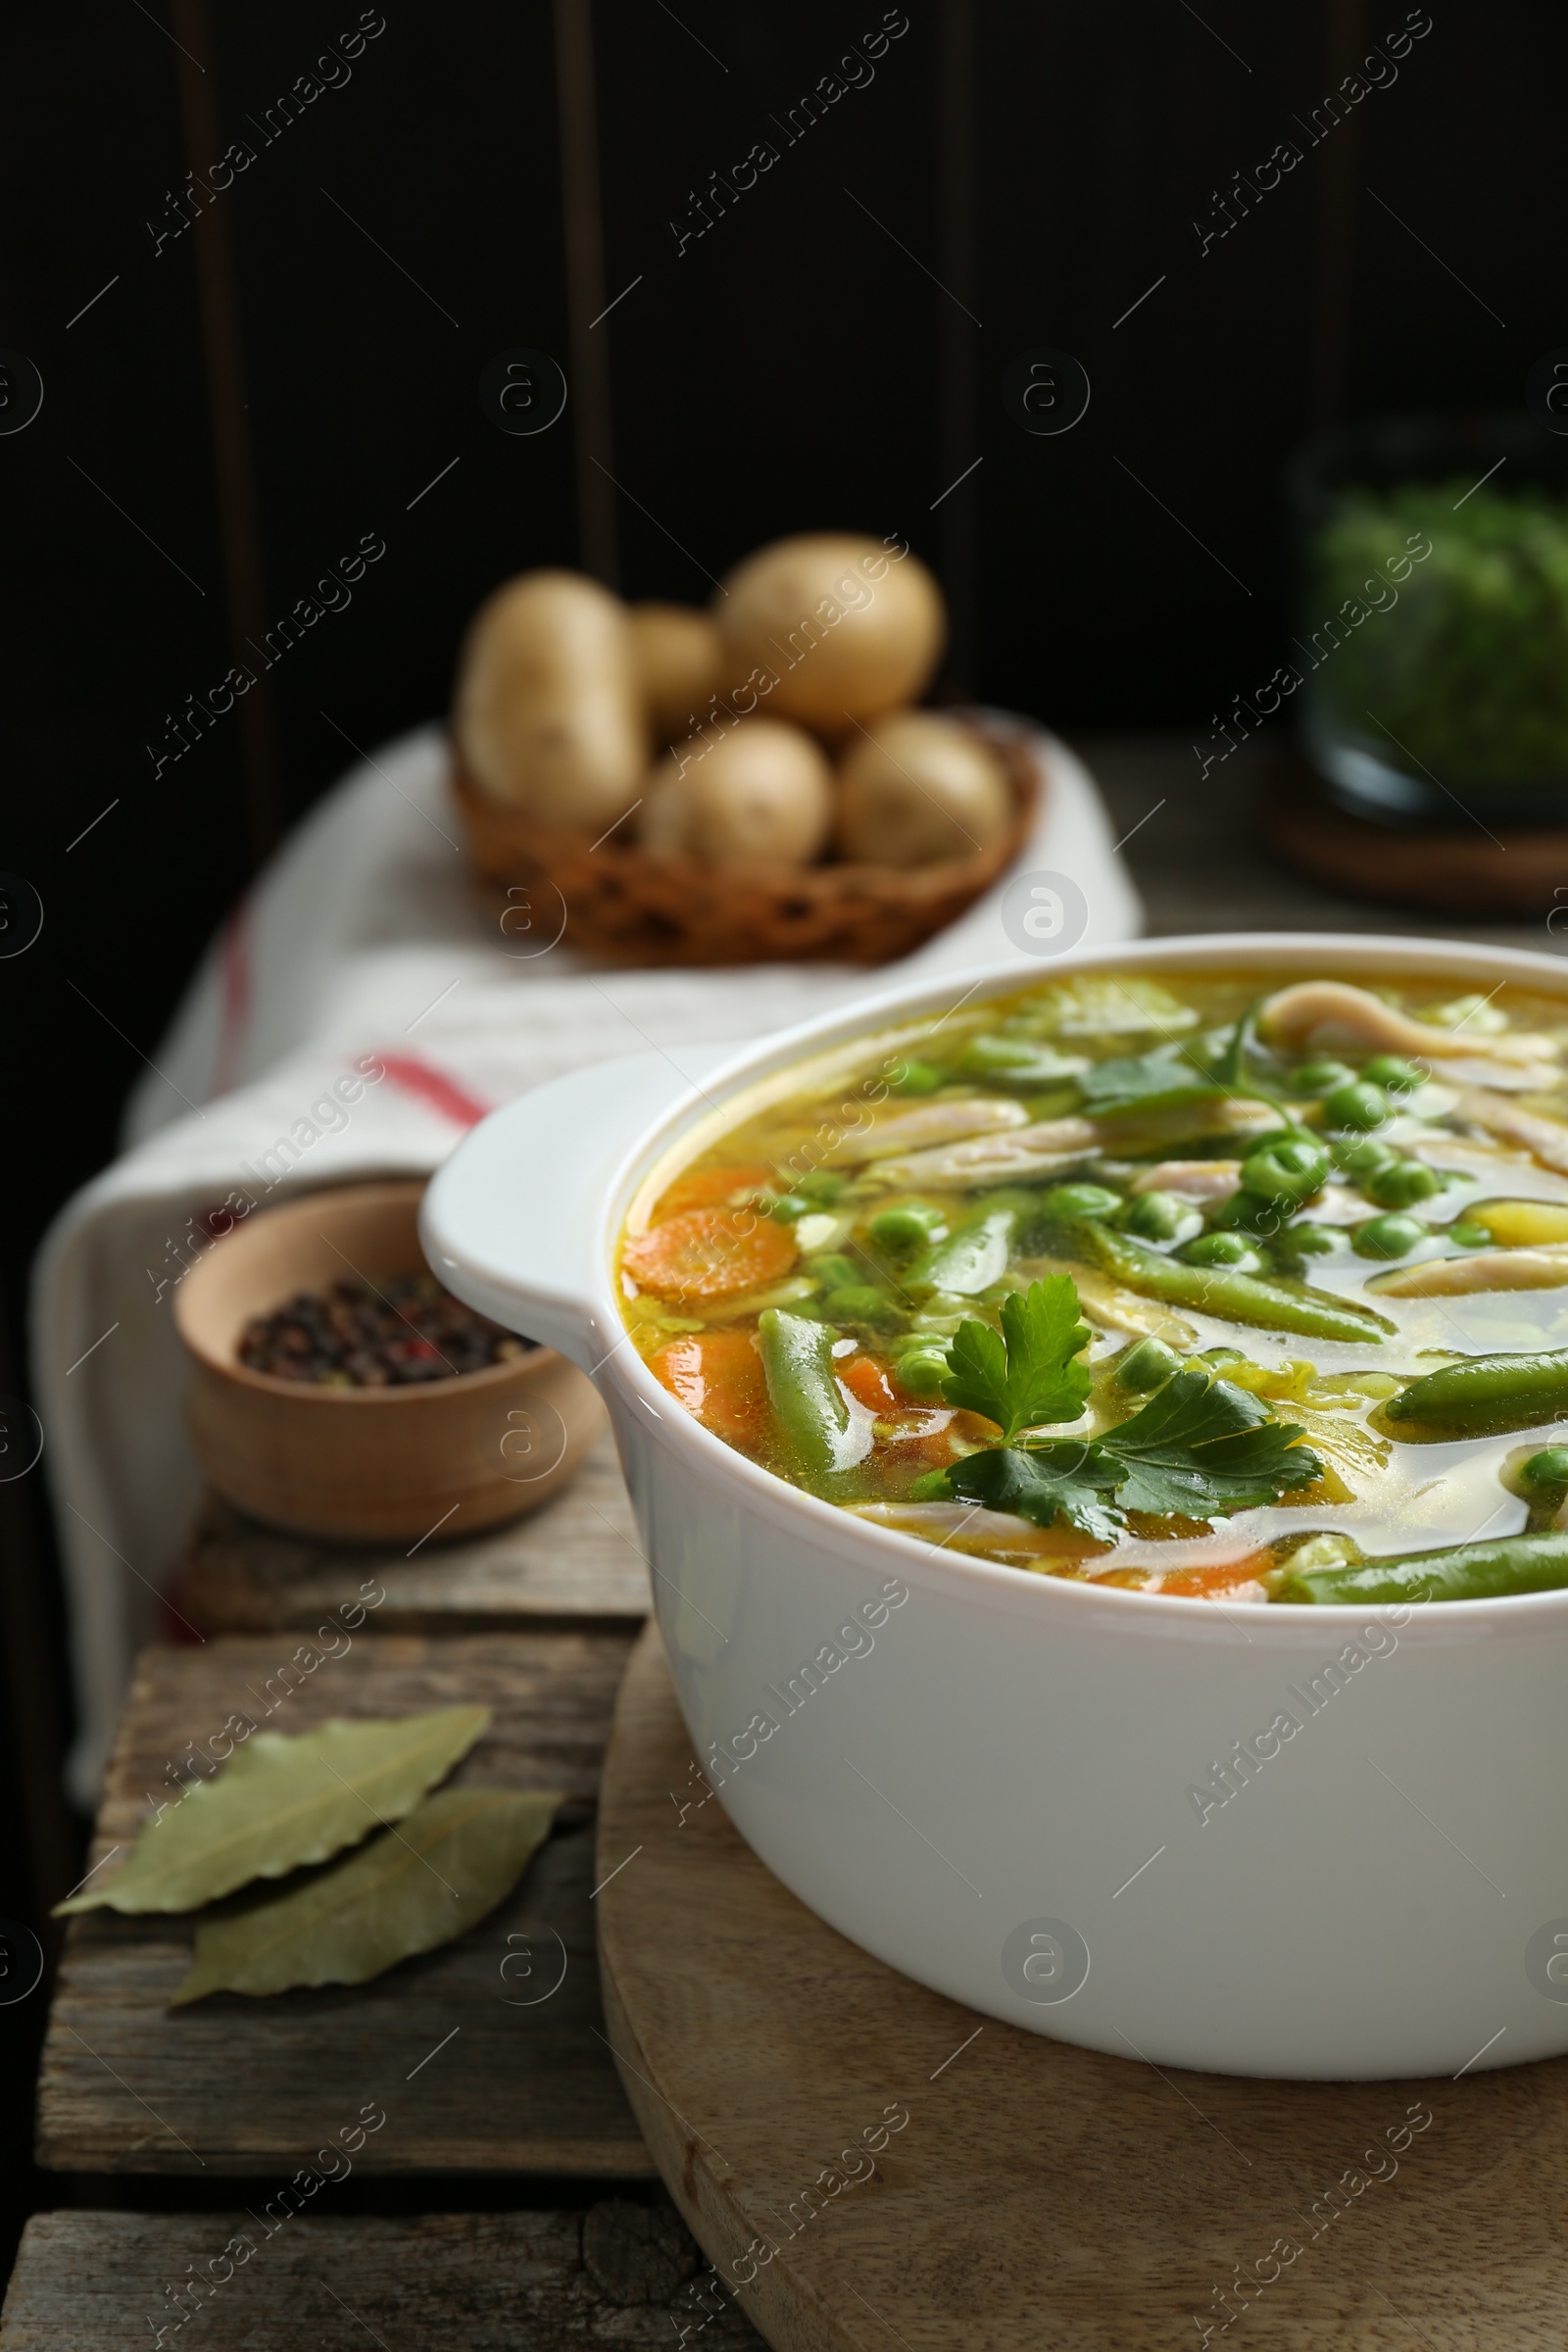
x,y
615,2275
469,2079
467,2083
579,1558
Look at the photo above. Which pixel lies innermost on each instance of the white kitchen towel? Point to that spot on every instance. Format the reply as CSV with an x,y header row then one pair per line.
x,y
363,950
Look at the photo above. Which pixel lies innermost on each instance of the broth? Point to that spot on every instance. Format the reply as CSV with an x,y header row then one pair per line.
x,y
1271,1210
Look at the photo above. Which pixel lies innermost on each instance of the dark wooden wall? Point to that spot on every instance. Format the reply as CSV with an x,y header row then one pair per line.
x,y
250,397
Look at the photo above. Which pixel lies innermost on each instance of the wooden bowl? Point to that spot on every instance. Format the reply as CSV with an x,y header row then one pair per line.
x,y
615,897
441,1459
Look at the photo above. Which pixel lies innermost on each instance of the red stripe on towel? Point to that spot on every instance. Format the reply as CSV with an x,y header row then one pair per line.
x,y
434,1088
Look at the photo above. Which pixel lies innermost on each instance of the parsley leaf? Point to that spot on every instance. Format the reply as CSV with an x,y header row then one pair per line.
x,y
1202,1447
1169,1074
1068,1479
1025,1374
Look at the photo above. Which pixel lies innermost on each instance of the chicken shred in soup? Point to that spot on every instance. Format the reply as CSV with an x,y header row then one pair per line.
x,y
1253,1290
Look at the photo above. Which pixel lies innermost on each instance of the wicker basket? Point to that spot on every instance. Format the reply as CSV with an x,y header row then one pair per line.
x,y
615,899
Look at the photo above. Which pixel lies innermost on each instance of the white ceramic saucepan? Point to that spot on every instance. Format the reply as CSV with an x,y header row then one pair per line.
x,y
986,1777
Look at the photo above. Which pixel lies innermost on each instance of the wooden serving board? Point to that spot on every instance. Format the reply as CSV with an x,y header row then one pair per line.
x,y
1037,2195
552,2281
577,1558
472,2075
1470,867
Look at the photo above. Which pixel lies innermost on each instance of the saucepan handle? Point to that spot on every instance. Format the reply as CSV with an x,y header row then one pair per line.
x,y
514,1222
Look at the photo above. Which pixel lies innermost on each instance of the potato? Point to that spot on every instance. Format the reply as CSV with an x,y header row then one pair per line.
x,y
845,627
916,788
548,712
680,662
761,795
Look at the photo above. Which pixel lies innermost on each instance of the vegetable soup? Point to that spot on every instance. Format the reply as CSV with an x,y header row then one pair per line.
x,y
1199,1285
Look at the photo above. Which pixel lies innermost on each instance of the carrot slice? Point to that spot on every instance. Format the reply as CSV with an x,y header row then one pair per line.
x,y
709,1253
715,1188
717,1376
1223,1580
872,1382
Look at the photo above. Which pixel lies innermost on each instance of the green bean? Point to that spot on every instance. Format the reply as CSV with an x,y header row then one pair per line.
x,y
860,1303
1230,1296
1461,1572
1486,1394
808,1402
973,1257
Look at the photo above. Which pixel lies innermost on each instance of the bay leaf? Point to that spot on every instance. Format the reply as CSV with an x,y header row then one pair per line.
x,y
410,1888
281,1801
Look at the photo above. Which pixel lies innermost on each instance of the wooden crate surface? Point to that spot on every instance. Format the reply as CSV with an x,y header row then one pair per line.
x,y
579,1558
542,2282
468,2079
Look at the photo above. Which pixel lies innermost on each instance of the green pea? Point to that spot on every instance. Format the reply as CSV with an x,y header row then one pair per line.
x,y
833,1271
1387,1237
1394,1074
1159,1216
901,1230
1544,1473
916,1078
1079,1200
1363,1157
1356,1106
1232,1249
923,1371
1319,1077
1469,1236
1312,1240
858,1302
1147,1365
786,1209
821,1188
1403,1183
1251,1211
1290,1169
